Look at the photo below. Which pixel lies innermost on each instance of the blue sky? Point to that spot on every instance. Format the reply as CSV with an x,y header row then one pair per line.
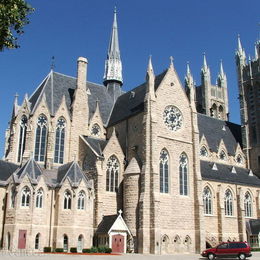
x,y
183,29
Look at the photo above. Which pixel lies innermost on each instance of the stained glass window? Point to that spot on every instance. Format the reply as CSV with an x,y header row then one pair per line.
x,y
112,174
164,171
183,174
22,137
59,141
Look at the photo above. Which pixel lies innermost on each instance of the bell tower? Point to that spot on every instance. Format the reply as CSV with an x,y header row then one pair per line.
x,y
249,97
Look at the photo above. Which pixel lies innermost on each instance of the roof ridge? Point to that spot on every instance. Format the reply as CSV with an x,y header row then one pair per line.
x,y
62,74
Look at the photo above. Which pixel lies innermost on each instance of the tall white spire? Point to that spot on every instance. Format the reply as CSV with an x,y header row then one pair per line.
x,y
113,64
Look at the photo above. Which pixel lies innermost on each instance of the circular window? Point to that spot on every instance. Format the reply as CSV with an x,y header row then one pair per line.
x,y
95,130
172,118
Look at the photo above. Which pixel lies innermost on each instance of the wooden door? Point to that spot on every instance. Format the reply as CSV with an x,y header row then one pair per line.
x,y
22,239
118,243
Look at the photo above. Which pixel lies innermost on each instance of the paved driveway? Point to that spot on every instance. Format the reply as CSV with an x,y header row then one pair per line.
x,y
9,256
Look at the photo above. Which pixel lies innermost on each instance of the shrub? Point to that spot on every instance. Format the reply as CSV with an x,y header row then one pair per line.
x,y
47,249
59,250
104,249
255,249
73,250
108,250
86,250
93,249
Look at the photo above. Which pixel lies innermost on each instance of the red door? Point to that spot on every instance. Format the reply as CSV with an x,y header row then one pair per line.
x,y
22,239
118,242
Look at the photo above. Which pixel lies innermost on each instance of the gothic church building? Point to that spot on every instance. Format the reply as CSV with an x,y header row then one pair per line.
x,y
158,169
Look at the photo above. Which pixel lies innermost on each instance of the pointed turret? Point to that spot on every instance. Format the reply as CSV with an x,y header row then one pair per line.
x,y
15,106
150,77
113,78
189,82
223,93
240,53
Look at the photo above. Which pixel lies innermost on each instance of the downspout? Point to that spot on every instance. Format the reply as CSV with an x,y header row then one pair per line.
x,y
4,216
50,225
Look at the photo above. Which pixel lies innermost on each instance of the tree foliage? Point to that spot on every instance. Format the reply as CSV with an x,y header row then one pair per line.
x,y
13,17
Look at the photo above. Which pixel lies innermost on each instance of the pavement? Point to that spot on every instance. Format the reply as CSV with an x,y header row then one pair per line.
x,y
27,256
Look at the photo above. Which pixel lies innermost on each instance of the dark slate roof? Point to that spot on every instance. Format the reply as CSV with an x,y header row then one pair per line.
x,y
31,168
132,102
212,129
73,172
254,225
97,145
106,224
7,169
224,174
65,86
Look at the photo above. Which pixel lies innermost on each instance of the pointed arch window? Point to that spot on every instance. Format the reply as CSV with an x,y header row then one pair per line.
x,y
25,197
41,139
37,241
59,140
22,137
228,203
207,201
67,200
112,174
239,159
204,151
164,171
183,174
222,156
81,200
39,199
248,205
65,243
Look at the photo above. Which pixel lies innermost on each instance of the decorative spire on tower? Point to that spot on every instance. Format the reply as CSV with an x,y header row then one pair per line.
x,y
113,64
240,53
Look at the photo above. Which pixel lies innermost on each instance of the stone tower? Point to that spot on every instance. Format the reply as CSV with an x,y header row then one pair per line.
x,y
249,97
113,79
212,100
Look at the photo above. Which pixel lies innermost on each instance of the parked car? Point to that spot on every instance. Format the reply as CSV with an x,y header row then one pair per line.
x,y
228,249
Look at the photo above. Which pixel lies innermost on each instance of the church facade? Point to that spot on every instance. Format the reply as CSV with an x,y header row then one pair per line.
x,y
158,169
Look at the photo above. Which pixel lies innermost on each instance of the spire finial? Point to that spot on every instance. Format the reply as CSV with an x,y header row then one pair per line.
x,y
115,9
171,61
16,99
150,65
52,63
205,65
239,45
221,68
188,68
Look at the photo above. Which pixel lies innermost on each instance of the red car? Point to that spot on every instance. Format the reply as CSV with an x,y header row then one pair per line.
x,y
228,249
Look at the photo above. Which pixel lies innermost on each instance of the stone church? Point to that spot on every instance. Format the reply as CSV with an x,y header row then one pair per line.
x,y
158,169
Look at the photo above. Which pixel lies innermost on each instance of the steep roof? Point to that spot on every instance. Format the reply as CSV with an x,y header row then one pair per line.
x,y
132,102
7,169
214,130
97,145
106,224
31,168
57,85
73,172
224,174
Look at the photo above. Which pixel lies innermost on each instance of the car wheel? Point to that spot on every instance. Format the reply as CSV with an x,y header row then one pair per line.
x,y
211,256
242,256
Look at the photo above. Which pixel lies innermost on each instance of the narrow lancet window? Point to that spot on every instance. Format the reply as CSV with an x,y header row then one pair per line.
x,y
22,137
59,141
41,139
164,171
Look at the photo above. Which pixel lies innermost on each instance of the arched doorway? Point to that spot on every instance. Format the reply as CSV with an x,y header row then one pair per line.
x,y
80,244
208,245
65,243
8,244
164,244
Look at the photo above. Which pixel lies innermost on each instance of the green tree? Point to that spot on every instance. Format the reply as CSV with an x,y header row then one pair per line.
x,y
13,17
